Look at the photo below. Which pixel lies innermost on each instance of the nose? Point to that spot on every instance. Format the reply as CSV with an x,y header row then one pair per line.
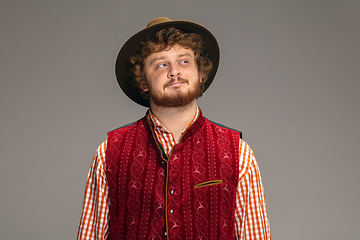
x,y
174,71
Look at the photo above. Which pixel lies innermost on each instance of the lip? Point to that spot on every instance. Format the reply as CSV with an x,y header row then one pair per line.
x,y
176,84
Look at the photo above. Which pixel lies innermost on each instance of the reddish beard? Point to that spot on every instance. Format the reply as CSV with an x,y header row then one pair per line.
x,y
177,98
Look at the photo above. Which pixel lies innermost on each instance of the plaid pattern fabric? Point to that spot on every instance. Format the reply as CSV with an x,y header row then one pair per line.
x,y
251,221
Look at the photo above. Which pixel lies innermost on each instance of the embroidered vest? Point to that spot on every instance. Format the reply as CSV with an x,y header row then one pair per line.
x,y
190,195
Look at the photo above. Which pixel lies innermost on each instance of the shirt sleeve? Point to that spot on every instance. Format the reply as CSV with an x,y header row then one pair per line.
x,y
95,209
251,220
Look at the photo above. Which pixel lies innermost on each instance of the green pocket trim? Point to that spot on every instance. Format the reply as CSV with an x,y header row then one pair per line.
x,y
208,183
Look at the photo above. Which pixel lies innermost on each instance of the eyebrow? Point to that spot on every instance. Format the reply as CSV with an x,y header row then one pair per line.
x,y
185,54
156,59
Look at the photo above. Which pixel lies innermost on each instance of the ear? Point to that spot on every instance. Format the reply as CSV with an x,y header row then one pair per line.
x,y
201,79
144,86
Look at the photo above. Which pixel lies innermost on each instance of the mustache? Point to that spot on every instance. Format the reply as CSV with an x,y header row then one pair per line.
x,y
178,79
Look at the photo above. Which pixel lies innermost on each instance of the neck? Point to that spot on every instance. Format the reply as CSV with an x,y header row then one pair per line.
x,y
176,119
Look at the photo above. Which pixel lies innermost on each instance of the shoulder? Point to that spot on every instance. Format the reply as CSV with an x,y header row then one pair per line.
x,y
98,162
223,126
100,151
126,127
247,160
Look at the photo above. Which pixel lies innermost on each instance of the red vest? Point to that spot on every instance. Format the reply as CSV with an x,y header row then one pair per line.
x,y
190,195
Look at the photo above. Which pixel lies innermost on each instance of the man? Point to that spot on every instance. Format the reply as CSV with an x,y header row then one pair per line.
x,y
172,174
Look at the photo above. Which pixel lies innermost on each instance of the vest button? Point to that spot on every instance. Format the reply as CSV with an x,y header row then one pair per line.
x,y
165,234
163,162
172,192
171,211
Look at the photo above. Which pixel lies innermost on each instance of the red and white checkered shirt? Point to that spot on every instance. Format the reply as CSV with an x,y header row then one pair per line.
x,y
251,221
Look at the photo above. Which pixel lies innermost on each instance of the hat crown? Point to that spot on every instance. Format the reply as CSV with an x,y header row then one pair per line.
x,y
158,20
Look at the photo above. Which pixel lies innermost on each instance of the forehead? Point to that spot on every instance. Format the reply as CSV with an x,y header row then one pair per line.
x,y
171,52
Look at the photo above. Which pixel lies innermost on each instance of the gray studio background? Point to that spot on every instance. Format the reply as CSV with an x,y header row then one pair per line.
x,y
288,78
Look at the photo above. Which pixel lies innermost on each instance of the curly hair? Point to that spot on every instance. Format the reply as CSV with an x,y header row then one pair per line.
x,y
161,41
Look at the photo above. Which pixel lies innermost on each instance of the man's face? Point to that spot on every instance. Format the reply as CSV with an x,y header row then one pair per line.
x,y
172,77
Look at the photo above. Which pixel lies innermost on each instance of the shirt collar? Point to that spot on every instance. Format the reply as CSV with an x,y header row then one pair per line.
x,y
159,127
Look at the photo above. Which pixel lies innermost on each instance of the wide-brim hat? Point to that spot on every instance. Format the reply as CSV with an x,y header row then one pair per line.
x,y
132,46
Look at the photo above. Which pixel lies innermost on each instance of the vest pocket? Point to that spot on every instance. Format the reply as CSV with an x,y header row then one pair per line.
x,y
208,183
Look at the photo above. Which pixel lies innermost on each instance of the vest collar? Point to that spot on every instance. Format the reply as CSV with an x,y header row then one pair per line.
x,y
193,128
190,131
